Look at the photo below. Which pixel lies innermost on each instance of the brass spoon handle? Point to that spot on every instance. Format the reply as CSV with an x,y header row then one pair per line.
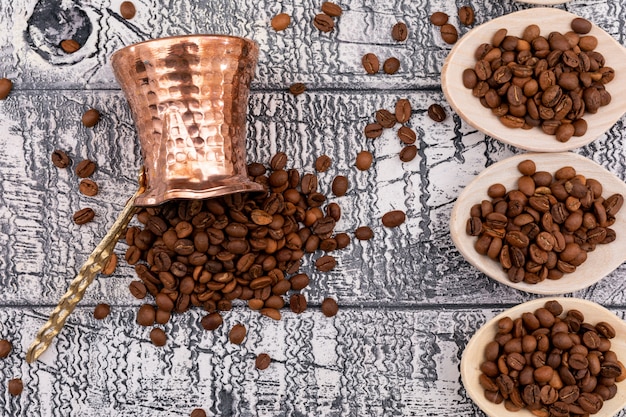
x,y
85,277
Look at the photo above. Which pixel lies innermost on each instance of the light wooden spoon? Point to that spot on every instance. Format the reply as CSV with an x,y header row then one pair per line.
x,y
473,355
599,263
544,2
481,118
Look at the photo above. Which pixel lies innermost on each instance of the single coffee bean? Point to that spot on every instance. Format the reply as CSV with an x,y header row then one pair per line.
x,y
364,233
5,348
449,34
101,311
385,118
581,26
198,412
70,46
6,86
158,337
403,110
466,15
436,112
407,135
212,321
84,216
85,168
373,130
469,78
391,65
237,334
262,361
340,185
88,187
329,307
137,289
127,10
16,386
323,22
271,313
439,18
278,163
297,88
299,282
364,160
90,118
146,315
408,153
393,218
399,32
281,21
297,303
322,163
331,9
325,263
370,63
60,159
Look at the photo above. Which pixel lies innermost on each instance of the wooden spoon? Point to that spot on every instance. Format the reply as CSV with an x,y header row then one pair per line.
x,y
599,263
544,2
473,355
481,118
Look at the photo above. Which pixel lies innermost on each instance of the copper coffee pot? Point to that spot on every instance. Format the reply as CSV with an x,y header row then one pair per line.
x,y
189,97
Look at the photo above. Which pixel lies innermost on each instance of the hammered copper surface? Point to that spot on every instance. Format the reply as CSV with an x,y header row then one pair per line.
x,y
189,98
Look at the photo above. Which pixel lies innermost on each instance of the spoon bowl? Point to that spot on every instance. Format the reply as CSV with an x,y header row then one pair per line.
x,y
473,355
602,261
548,19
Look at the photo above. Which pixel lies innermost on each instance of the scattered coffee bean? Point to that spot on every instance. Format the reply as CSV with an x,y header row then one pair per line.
x,y
281,21
373,130
5,348
323,22
364,160
158,337
297,88
325,263
399,32
393,218
299,282
436,112
449,34
85,168
262,361
84,216
198,412
91,117
88,187
391,65
237,334
146,315
127,10
329,307
371,63
322,163
60,159
408,153
16,387
101,311
297,303
137,289
385,118
466,15
70,46
407,135
439,18
340,185
364,233
331,9
6,86
110,265
212,321
278,163
581,26
403,110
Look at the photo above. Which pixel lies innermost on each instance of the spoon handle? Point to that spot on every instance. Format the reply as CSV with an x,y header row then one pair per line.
x,y
92,266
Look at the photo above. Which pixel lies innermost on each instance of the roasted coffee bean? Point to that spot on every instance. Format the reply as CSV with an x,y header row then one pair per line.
x,y
340,185
5,348
322,163
146,315
69,46
393,218
363,160
137,289
88,187
16,386
331,9
373,130
101,311
439,18
408,153
329,307
391,65
85,168
198,412
281,21
449,34
91,117
6,86
371,63
297,303
364,233
297,88
466,15
403,110
84,216
407,135
60,159
436,112
385,118
237,334
212,321
323,22
325,263
158,337
399,32
262,361
127,10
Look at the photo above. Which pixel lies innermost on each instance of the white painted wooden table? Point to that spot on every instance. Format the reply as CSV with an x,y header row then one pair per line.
x,y
408,301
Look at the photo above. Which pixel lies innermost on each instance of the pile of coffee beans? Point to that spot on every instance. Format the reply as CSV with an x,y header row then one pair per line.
x,y
545,227
551,363
546,81
387,120
207,253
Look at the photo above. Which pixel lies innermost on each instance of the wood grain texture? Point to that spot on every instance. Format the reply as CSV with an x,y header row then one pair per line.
x,y
409,302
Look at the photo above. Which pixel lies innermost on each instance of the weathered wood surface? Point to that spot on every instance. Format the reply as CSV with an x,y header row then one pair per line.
x,y
409,302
